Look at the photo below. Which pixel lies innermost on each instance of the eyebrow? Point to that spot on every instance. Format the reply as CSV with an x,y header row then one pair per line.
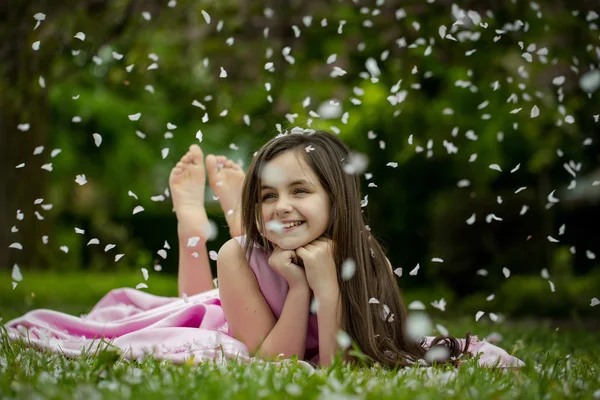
x,y
297,182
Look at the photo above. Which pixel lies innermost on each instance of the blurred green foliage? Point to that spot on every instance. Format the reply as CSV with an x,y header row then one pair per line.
x,y
418,210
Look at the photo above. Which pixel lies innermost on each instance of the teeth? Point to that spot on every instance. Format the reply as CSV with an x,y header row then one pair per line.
x,y
290,224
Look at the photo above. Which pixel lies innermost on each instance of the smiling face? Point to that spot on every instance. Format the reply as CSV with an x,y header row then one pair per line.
x,y
290,192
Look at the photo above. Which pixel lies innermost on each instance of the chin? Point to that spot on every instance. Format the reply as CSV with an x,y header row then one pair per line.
x,y
292,243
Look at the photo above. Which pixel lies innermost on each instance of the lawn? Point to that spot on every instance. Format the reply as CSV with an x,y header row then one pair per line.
x,y
560,362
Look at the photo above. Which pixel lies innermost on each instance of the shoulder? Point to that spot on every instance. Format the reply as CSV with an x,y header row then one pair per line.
x,y
231,253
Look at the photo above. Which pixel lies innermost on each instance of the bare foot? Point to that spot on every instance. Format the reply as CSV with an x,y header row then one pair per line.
x,y
226,179
187,181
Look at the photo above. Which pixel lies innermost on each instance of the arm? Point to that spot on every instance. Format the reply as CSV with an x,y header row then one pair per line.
x,y
193,274
329,322
249,317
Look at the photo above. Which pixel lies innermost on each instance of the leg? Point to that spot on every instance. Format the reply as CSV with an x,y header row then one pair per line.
x,y
226,179
187,182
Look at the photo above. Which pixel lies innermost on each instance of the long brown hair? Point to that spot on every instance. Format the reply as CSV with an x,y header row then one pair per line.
x,y
383,341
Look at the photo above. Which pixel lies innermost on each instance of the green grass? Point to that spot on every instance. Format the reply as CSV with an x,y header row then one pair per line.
x,y
560,362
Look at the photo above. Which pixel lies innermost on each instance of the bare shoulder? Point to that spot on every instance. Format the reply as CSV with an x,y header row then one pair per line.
x,y
231,254
247,313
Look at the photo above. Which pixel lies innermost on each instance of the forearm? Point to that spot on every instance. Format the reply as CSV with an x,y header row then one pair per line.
x,y
329,321
194,275
288,336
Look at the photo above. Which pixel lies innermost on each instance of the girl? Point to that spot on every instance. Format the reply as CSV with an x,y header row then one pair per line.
x,y
301,215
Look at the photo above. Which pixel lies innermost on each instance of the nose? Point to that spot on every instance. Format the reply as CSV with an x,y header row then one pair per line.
x,y
283,206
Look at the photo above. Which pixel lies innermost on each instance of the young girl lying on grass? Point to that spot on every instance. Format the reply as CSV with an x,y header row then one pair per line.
x,y
296,224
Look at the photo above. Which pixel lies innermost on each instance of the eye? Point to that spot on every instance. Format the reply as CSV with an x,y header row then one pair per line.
x,y
266,196
301,190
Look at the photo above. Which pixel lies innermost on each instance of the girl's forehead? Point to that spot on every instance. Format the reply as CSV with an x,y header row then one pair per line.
x,y
285,169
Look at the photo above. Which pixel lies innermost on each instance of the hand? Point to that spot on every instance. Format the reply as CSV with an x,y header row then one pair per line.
x,y
319,264
285,262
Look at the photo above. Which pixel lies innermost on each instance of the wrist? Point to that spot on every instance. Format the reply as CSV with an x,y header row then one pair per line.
x,y
329,294
299,288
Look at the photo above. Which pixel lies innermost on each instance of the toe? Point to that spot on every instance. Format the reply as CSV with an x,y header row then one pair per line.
x,y
211,164
196,155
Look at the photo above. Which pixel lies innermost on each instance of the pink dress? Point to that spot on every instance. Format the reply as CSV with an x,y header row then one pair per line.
x,y
140,324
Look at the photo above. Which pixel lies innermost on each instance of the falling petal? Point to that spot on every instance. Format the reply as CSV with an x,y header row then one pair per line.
x,y
97,139
415,270
16,273
138,209
479,315
348,269
206,16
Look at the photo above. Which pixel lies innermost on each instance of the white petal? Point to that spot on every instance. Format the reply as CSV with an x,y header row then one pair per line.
x,y
97,139
162,253
343,339
80,36
138,209
442,329
206,16
145,273
16,274
118,257
479,315
535,112
415,270
590,255
418,325
193,241
141,286
416,305
135,117
506,272
348,269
